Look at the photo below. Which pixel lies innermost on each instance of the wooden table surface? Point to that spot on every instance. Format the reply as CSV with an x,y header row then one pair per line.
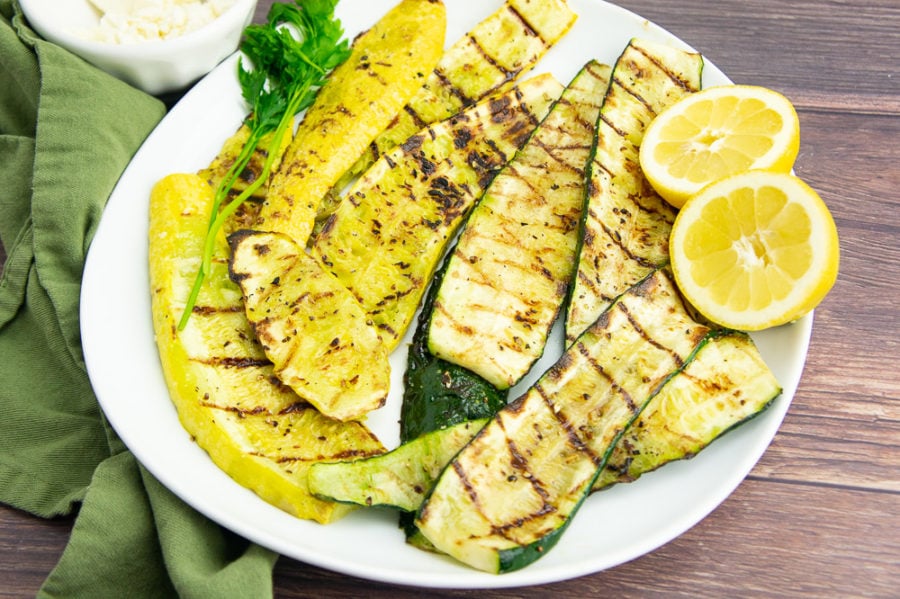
x,y
820,513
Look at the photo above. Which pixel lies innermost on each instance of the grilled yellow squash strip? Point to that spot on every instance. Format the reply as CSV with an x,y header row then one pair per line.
x,y
229,153
626,224
254,428
502,47
508,274
387,236
317,335
362,95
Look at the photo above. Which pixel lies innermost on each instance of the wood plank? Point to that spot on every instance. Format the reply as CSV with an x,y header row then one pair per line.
x,y
805,551
842,47
29,549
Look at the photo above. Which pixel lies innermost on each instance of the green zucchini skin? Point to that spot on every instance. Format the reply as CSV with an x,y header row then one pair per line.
x,y
508,274
625,223
397,479
509,494
436,393
727,384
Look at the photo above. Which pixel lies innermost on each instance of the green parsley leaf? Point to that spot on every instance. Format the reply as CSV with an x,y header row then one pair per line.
x,y
287,60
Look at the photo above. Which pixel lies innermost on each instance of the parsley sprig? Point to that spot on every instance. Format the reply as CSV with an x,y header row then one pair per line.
x,y
290,57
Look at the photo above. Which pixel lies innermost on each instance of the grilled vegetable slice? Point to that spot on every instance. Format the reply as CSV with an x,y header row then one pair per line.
x,y
229,153
509,272
510,493
626,224
438,394
495,52
399,478
358,101
724,386
254,428
316,334
386,238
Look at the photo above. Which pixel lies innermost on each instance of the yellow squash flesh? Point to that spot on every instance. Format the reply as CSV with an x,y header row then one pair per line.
x,y
254,428
362,96
316,334
487,59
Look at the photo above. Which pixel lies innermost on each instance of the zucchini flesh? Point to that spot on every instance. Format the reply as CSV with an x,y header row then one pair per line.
x,y
626,224
316,334
721,387
508,495
359,99
255,429
724,386
508,273
384,241
499,49
438,394
397,479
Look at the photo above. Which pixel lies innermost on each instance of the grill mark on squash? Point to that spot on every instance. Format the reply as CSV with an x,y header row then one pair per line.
x,y
520,464
213,310
552,152
527,27
685,85
633,93
598,368
506,74
605,120
591,285
593,68
571,430
347,454
448,85
232,361
419,122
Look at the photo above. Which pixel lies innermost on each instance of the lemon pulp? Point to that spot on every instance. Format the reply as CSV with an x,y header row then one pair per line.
x,y
717,132
755,250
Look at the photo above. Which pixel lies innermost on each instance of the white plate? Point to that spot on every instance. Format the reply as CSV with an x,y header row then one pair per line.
x,y
612,527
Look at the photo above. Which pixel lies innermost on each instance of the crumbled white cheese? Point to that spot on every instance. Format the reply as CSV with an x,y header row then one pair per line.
x,y
148,20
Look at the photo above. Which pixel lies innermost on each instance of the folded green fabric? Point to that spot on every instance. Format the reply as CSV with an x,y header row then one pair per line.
x,y
67,131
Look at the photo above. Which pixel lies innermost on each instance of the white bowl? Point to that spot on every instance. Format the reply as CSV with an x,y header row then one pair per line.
x,y
154,66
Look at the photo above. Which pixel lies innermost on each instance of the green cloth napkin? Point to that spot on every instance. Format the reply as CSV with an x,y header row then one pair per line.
x,y
67,131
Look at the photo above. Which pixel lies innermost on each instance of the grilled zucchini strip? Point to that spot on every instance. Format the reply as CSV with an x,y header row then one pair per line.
x,y
625,223
508,274
510,493
313,330
359,100
438,394
227,397
386,238
397,479
724,386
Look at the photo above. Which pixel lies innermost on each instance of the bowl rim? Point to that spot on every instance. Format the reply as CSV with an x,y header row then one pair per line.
x,y
233,17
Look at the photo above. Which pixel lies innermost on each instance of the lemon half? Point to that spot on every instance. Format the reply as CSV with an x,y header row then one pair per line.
x,y
717,132
755,250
